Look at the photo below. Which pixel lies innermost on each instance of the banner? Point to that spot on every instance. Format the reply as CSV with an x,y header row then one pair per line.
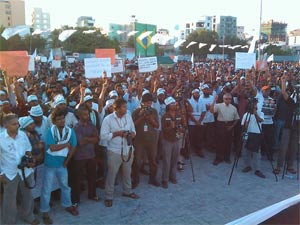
x,y
44,59
56,63
31,65
245,60
15,63
106,53
144,47
71,60
117,67
147,64
94,67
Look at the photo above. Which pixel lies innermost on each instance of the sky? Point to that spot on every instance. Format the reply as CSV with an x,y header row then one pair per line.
x,y
167,13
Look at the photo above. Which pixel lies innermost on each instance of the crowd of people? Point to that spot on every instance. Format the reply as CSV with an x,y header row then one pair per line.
x,y
84,131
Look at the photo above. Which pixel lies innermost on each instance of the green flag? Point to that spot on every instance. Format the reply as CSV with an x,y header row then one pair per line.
x,y
144,47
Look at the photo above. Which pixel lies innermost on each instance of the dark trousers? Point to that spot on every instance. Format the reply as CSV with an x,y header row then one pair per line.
x,y
75,175
148,148
224,139
237,138
101,158
208,136
196,137
268,139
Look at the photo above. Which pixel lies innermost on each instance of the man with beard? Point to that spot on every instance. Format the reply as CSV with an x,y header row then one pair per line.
x,y
145,119
208,126
60,103
195,119
160,107
41,122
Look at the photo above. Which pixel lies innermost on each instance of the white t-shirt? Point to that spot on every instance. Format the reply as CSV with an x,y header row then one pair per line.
x,y
198,108
253,126
209,117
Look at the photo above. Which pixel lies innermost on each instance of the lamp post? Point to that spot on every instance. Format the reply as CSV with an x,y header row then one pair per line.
x,y
133,20
223,46
259,35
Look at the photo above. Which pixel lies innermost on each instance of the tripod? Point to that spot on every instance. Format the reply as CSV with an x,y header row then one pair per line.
x,y
296,122
243,138
186,136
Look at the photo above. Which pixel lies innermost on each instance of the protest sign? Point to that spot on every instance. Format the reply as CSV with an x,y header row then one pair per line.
x,y
31,65
106,53
56,63
15,63
71,60
245,60
117,67
94,67
147,64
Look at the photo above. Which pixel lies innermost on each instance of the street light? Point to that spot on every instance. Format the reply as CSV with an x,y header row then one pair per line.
x,y
133,20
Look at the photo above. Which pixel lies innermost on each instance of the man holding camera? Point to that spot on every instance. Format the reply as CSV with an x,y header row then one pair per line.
x,y
15,155
118,130
145,119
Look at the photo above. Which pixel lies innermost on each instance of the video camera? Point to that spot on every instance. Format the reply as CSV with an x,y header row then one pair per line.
x,y
250,103
146,110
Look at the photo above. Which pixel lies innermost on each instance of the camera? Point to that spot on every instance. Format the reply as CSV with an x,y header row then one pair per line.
x,y
128,137
25,161
146,110
250,103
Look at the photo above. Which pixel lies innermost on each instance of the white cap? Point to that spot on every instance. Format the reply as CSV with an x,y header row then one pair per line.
x,y
87,98
196,91
113,93
2,92
36,111
204,86
31,98
242,78
170,100
58,99
87,91
109,103
21,80
218,78
160,91
145,92
25,121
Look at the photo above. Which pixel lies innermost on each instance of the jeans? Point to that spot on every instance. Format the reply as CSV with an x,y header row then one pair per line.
x,y
61,174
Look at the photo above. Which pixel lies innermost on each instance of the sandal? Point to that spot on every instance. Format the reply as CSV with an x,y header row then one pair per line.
x,y
132,195
72,210
46,219
276,170
292,170
108,203
96,198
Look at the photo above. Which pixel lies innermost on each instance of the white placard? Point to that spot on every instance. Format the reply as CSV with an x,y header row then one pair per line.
x,y
56,63
147,64
31,65
94,67
117,67
245,60
71,60
43,59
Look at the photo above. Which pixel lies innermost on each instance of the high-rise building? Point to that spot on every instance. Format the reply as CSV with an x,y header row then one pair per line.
x,y
225,26
12,13
40,20
203,23
240,32
85,21
275,31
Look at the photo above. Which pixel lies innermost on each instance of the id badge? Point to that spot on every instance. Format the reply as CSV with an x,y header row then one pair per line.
x,y
145,128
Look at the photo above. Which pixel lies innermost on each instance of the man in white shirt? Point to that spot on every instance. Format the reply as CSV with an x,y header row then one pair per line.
x,y
118,129
253,127
195,121
14,145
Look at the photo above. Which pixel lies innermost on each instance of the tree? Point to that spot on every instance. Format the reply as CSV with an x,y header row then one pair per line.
x,y
200,36
276,50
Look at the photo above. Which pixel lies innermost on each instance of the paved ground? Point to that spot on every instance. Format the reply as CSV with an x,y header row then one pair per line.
x,y
208,200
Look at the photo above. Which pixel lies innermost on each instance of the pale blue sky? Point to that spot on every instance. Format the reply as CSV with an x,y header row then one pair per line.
x,y
167,13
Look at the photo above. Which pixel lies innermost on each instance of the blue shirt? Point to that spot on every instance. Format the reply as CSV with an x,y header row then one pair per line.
x,y
56,161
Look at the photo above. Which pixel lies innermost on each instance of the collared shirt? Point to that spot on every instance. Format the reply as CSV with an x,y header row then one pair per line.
x,y
41,130
113,123
226,113
198,108
86,151
161,110
253,123
11,152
